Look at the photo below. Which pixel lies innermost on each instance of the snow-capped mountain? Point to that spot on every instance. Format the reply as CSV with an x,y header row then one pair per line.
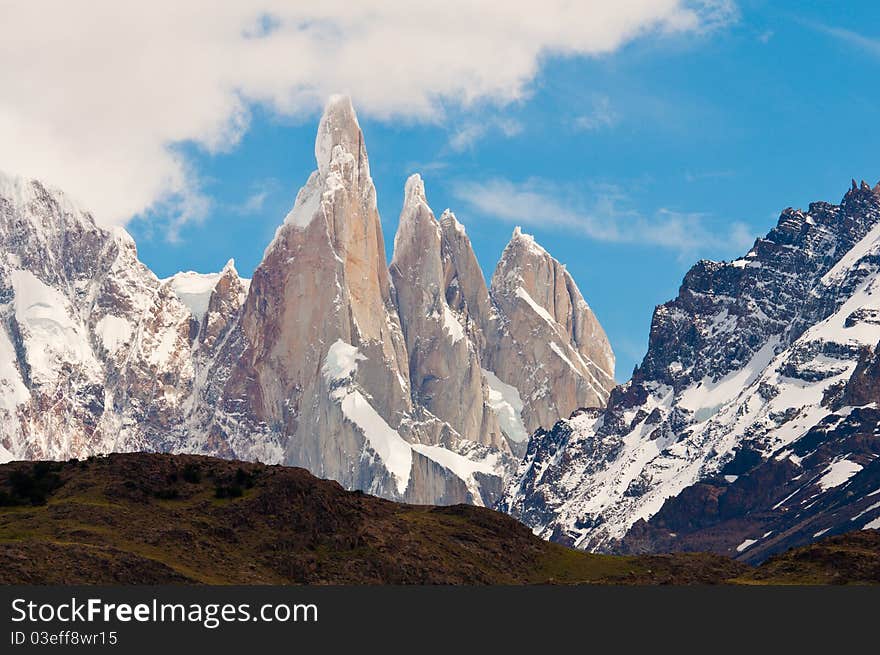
x,y
95,351
750,424
405,383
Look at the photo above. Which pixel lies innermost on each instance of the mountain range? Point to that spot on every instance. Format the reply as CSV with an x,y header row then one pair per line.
x,y
750,426
416,382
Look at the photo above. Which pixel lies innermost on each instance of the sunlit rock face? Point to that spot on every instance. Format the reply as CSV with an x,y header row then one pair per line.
x,y
543,337
444,352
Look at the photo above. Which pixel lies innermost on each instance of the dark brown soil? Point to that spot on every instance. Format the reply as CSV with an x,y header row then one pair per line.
x,y
151,519
851,558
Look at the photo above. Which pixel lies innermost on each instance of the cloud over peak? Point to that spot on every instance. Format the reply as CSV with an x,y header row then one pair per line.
x,y
96,97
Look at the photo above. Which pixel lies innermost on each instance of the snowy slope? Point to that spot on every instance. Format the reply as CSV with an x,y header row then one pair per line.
x,y
749,358
96,354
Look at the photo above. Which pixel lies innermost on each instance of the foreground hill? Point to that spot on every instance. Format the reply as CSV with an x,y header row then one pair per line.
x,y
842,559
151,519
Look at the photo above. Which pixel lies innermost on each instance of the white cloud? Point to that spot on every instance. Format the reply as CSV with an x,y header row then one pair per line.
x,y
601,115
94,96
253,203
465,136
605,216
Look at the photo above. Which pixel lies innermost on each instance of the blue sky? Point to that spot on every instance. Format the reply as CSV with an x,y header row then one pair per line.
x,y
628,166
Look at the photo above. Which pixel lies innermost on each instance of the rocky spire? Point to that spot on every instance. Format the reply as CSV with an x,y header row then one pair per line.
x,y
323,281
227,297
444,363
339,127
546,341
465,287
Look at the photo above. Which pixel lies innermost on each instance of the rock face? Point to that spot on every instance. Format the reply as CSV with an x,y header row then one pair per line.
x,y
748,427
322,287
463,283
545,337
226,297
391,382
443,344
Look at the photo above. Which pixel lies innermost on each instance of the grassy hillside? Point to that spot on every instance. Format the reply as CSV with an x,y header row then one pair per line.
x,y
151,519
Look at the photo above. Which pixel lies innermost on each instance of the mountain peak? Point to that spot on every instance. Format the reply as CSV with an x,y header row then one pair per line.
x,y
21,192
415,203
414,190
519,235
523,243
338,127
861,192
418,231
16,189
447,218
229,267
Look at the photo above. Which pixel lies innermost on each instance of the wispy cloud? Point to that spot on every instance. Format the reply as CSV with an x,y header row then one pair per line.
x,y
254,202
606,214
765,36
867,44
697,176
425,166
600,115
469,133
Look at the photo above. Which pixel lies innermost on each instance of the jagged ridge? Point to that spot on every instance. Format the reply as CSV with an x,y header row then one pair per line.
x,y
745,368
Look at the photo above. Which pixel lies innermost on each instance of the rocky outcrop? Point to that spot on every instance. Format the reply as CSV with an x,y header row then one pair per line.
x,y
543,338
214,300
463,284
323,282
745,429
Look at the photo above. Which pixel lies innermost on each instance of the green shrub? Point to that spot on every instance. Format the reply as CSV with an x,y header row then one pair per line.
x,y
192,473
169,493
32,486
228,491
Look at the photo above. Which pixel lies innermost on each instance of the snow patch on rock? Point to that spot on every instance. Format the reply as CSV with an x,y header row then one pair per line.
x,y
451,325
505,401
395,453
194,290
341,361
114,332
838,473
540,311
